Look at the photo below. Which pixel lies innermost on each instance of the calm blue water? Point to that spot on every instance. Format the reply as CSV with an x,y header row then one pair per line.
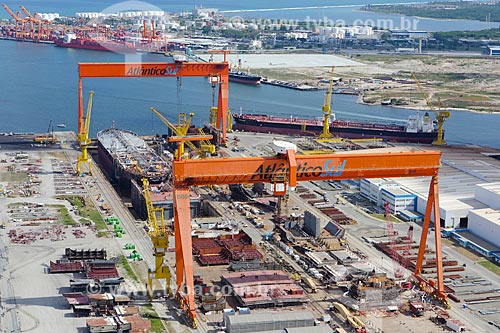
x,y
38,83
339,15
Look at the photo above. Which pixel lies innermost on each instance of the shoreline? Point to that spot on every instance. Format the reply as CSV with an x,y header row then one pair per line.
x,y
425,17
359,100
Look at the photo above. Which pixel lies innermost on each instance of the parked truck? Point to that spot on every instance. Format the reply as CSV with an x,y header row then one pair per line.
x,y
417,308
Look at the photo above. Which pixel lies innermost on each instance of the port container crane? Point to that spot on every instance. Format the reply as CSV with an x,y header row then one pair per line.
x,y
327,109
441,116
83,139
290,168
40,28
20,23
159,237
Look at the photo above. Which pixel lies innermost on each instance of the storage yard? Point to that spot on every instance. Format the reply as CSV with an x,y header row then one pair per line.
x,y
335,269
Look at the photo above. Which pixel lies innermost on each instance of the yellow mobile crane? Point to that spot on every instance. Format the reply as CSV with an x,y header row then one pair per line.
x,y
83,138
180,130
441,116
327,110
159,237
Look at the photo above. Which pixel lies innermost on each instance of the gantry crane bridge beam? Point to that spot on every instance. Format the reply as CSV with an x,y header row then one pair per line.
x,y
289,169
220,70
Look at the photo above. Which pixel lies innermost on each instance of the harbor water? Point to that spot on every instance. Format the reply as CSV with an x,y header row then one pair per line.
x,y
339,11
38,84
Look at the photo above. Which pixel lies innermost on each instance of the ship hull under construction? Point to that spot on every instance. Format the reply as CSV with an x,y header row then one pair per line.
x,y
342,129
124,156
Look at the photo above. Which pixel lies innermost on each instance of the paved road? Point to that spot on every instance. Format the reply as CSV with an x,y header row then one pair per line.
x,y
9,322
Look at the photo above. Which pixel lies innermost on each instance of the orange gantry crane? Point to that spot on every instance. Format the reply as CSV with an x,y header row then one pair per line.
x,y
286,169
218,72
20,29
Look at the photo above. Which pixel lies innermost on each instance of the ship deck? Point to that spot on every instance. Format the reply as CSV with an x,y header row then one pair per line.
x,y
132,153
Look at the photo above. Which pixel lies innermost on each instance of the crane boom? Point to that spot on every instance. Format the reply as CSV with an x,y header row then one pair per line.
x,y
11,13
441,116
426,96
180,130
27,13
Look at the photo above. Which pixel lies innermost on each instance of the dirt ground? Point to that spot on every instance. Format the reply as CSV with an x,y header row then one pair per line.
x,y
459,82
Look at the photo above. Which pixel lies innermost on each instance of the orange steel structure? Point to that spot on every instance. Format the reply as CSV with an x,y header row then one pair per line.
x,y
220,70
287,169
20,29
39,29
30,27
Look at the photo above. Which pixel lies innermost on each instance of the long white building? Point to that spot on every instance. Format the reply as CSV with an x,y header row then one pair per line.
x,y
462,170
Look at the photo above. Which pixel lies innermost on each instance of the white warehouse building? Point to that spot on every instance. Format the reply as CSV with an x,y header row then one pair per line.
x,y
398,199
485,223
372,188
465,179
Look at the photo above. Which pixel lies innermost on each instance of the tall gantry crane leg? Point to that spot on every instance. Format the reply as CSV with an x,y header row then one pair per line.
x,y
432,207
184,252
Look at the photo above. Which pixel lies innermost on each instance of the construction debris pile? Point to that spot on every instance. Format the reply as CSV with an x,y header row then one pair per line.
x,y
20,178
324,205
98,272
54,233
225,248
65,180
113,311
264,288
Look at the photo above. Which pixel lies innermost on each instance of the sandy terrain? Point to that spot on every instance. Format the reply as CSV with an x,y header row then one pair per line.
x,y
468,83
286,60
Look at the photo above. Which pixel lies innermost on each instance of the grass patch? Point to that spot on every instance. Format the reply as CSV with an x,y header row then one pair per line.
x,y
282,75
65,218
156,324
84,221
103,234
128,269
491,266
13,177
86,209
385,58
382,217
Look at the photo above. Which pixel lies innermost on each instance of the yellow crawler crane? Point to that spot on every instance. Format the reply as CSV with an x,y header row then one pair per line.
x,y
159,237
327,110
441,116
83,138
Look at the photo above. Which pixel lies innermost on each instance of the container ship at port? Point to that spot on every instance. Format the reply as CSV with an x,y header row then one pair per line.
x,y
125,156
418,129
73,42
